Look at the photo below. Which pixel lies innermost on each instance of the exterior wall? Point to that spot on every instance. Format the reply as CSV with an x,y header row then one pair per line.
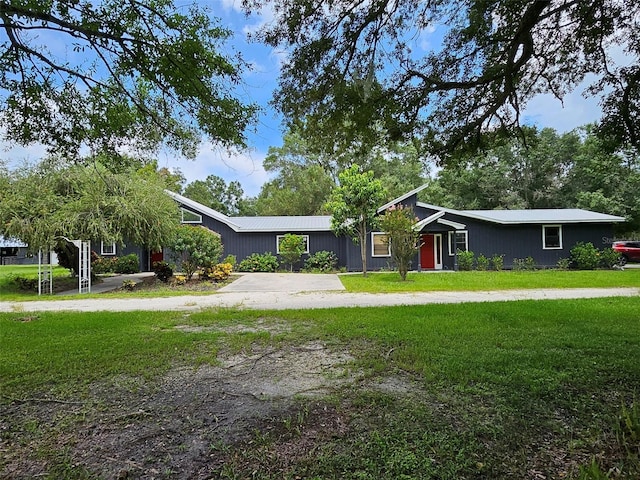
x,y
244,244
521,241
512,241
22,257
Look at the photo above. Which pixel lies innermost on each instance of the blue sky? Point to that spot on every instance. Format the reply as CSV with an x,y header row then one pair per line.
x,y
259,83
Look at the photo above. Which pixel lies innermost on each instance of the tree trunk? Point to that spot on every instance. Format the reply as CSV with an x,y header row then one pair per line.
x,y
363,249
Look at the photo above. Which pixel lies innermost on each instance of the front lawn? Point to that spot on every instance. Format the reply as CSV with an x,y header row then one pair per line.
x,y
384,282
529,389
10,290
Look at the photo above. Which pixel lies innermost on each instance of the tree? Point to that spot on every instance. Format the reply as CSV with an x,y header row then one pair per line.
x,y
291,248
298,190
353,206
359,66
306,171
45,203
196,248
215,193
510,173
404,241
117,76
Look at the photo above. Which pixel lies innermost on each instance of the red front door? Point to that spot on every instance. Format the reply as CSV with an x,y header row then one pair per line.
x,y
156,257
427,258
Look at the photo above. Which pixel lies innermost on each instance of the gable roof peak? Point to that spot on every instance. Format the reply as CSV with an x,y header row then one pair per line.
x,y
395,201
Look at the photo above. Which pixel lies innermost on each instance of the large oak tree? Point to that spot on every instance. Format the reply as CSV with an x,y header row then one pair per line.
x,y
356,65
117,75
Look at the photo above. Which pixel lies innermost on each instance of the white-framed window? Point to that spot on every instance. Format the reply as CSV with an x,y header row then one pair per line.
x,y
190,217
551,237
458,240
305,239
380,247
107,248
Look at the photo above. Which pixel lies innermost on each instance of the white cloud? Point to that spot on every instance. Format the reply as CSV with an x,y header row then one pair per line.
x,y
231,5
573,111
242,166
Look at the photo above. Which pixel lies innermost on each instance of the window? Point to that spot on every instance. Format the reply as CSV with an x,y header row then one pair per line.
x,y
190,217
458,240
305,238
552,237
379,245
107,248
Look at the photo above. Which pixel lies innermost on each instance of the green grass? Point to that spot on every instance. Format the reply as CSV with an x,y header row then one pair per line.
x,y
9,290
505,388
62,353
480,281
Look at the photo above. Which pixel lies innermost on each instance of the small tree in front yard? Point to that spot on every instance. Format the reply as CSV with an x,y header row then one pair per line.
x,y
291,248
195,247
403,240
354,205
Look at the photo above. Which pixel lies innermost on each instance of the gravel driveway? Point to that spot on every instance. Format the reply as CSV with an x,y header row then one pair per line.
x,y
264,291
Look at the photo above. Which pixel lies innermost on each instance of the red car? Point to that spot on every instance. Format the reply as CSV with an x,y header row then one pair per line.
x,y
629,251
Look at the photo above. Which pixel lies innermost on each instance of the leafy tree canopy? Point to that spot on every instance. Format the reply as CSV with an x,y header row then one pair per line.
x,y
117,76
305,174
358,65
45,203
353,206
215,193
569,170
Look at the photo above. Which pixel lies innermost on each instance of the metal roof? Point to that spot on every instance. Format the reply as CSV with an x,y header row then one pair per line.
x,y
545,215
283,224
321,223
10,242
259,224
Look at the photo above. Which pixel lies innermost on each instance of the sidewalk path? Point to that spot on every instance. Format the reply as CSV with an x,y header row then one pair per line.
x,y
301,300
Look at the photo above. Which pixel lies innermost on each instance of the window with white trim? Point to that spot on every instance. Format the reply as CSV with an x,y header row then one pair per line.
x,y
107,248
190,217
380,246
305,239
458,240
552,237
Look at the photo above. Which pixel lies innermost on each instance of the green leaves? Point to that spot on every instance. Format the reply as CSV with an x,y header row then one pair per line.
x,y
353,206
356,65
47,202
196,247
113,74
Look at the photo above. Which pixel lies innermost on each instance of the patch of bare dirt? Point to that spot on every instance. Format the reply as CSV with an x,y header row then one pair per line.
x,y
178,427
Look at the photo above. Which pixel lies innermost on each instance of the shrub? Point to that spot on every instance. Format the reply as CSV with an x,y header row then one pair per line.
x,y
163,271
231,260
127,264
520,264
100,265
128,285
403,240
322,261
291,248
497,262
256,262
179,280
26,284
219,272
564,264
465,260
195,248
609,258
585,256
482,262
